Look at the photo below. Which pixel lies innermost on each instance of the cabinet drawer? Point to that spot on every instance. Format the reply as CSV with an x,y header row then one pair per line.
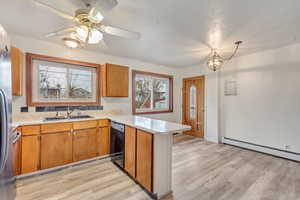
x,y
57,127
103,123
84,125
31,130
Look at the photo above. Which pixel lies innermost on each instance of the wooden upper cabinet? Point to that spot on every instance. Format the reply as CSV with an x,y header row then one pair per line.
x,y
130,150
114,80
84,144
17,60
56,149
30,157
144,159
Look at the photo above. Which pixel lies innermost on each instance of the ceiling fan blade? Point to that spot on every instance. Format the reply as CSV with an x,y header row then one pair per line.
x,y
120,32
106,5
95,15
54,10
61,31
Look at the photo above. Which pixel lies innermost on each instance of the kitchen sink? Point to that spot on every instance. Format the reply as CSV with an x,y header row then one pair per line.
x,y
80,117
65,118
54,118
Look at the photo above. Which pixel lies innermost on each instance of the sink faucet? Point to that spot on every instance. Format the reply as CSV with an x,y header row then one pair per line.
x,y
69,112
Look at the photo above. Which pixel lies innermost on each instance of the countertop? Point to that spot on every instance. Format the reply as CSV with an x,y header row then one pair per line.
x,y
143,123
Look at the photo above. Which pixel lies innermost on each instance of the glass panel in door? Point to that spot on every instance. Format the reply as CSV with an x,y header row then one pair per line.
x,y
193,102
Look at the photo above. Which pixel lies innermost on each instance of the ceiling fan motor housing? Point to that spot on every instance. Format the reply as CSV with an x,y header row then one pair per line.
x,y
82,15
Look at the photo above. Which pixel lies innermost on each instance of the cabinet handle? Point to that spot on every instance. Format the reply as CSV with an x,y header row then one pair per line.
x,y
16,136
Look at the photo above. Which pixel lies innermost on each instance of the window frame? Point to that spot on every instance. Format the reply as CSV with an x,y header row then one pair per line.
x,y
30,57
170,77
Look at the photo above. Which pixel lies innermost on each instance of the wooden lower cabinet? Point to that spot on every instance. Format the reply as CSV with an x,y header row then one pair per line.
x,y
84,144
17,150
49,145
30,158
130,150
103,141
144,159
56,149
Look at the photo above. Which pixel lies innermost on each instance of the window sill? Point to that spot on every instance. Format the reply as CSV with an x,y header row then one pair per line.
x,y
152,112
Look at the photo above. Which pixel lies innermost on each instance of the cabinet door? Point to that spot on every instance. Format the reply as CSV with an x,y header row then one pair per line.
x,y
30,159
111,87
130,150
144,159
85,144
56,149
104,141
17,156
17,71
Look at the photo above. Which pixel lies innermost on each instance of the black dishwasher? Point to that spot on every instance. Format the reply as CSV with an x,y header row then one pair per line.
x,y
117,143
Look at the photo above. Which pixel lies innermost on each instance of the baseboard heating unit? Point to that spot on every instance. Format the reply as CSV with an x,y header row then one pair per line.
x,y
264,149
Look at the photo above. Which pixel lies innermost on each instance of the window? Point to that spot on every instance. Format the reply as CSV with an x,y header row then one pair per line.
x,y
55,81
193,102
152,93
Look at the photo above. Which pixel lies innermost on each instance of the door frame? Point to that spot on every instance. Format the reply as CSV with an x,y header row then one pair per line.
x,y
183,99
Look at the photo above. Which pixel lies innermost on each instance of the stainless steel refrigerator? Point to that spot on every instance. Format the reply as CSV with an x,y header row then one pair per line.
x,y
7,180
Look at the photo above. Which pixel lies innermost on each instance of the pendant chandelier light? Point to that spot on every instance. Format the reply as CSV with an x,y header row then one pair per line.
x,y
215,61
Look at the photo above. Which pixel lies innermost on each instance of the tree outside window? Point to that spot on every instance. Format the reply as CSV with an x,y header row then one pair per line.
x,y
152,92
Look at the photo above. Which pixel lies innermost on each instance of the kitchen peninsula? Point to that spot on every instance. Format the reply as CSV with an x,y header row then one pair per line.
x,y
147,153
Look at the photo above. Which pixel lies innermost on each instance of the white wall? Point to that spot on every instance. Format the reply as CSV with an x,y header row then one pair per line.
x,y
211,98
119,105
266,110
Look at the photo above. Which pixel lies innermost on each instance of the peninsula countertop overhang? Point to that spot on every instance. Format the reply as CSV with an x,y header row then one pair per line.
x,y
143,123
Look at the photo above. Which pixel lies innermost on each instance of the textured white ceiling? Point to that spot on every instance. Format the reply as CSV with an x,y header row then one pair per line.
x,y
176,33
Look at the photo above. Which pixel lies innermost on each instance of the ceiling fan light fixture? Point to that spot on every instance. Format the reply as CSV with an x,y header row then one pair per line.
x,y
95,15
82,33
95,36
71,43
215,61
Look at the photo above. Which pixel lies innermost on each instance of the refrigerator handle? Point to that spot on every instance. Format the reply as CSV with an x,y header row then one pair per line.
x,y
3,130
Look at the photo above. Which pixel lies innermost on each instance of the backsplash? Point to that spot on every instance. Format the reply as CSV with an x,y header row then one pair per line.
x,y
32,115
65,108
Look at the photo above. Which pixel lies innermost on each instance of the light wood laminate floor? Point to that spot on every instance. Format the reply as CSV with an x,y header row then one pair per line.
x,y
201,171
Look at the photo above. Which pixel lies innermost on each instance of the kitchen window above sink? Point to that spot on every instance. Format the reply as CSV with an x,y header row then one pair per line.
x,y
56,81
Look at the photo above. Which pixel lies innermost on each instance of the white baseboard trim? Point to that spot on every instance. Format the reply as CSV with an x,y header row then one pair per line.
x,y
263,149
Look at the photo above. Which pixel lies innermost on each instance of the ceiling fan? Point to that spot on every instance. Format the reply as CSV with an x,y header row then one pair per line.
x,y
89,27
